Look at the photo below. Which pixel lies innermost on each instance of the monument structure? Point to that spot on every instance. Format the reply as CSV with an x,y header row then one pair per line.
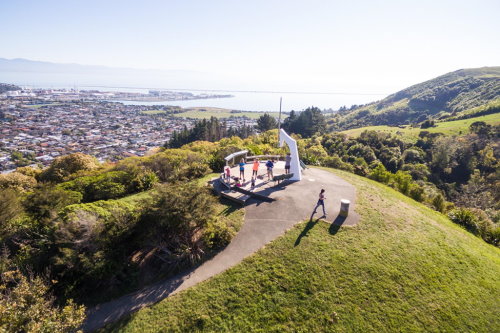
x,y
294,153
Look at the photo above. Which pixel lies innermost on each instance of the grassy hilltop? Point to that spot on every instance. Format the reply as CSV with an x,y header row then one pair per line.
x,y
403,268
446,95
410,134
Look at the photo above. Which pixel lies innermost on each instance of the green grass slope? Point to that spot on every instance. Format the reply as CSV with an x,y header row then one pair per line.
x,y
410,134
208,112
451,93
403,268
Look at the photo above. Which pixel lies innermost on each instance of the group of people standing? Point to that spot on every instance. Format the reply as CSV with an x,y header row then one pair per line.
x,y
270,166
255,169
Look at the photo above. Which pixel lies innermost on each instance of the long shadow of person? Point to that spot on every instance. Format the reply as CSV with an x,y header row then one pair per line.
x,y
304,232
336,224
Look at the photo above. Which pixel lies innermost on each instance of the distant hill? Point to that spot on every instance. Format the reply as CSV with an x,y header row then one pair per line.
x,y
40,73
445,95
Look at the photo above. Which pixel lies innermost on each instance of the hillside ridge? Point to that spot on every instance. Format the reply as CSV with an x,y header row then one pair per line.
x,y
444,95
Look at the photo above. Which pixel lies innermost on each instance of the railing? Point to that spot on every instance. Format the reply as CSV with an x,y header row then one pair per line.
x,y
265,157
302,165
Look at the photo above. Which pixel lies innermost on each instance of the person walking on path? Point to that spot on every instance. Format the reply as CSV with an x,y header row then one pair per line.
x,y
288,160
255,167
321,202
270,166
242,169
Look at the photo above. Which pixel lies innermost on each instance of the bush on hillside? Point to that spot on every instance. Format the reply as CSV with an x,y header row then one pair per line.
x,y
427,123
30,172
177,216
10,210
177,165
46,201
17,181
380,174
26,305
107,185
476,221
438,203
62,167
417,192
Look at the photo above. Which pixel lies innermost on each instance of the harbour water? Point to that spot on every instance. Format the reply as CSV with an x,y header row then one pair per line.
x,y
269,101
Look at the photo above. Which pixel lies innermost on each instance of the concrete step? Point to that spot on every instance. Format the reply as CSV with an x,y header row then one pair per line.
x,y
235,196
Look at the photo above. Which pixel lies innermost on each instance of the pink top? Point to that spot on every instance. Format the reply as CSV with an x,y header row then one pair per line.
x,y
321,196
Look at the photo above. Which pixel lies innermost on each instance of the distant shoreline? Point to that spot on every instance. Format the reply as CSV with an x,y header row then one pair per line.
x,y
153,99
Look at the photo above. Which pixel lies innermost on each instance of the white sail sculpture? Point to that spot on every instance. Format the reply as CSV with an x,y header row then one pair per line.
x,y
294,154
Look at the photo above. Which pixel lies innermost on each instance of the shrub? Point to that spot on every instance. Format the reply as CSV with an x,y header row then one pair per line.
x,y
337,163
360,166
402,181
177,165
143,181
217,234
438,203
427,123
176,219
62,167
27,306
494,236
464,217
417,192
28,171
46,201
380,174
17,181
10,209
108,185
417,171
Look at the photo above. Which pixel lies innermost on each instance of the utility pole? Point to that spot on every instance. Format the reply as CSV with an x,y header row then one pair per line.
x,y
279,124
279,118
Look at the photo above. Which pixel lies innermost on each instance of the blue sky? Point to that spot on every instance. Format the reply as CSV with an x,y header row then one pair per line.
x,y
359,46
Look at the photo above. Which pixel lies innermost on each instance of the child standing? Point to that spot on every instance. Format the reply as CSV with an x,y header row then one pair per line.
x,y
242,169
255,167
228,174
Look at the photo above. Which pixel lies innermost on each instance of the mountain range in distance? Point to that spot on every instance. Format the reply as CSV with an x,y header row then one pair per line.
x,y
26,72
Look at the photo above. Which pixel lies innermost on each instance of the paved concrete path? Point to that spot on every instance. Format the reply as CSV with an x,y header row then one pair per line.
x,y
264,222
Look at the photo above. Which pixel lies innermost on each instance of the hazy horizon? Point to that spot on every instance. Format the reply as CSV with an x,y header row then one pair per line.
x,y
361,46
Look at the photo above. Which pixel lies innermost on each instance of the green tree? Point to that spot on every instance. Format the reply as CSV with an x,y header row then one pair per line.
x,y
480,128
266,123
308,123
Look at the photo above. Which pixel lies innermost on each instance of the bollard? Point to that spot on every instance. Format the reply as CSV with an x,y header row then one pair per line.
x,y
344,207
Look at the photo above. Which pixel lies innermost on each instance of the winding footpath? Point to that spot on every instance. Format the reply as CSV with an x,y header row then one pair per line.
x,y
264,222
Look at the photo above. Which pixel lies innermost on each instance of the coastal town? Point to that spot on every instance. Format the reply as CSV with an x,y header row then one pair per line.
x,y
38,125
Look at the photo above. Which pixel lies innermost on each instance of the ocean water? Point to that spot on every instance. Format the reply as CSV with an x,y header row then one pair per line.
x,y
270,101
243,98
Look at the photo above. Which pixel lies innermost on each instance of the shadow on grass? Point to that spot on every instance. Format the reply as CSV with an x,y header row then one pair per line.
x,y
231,207
109,314
336,224
304,232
